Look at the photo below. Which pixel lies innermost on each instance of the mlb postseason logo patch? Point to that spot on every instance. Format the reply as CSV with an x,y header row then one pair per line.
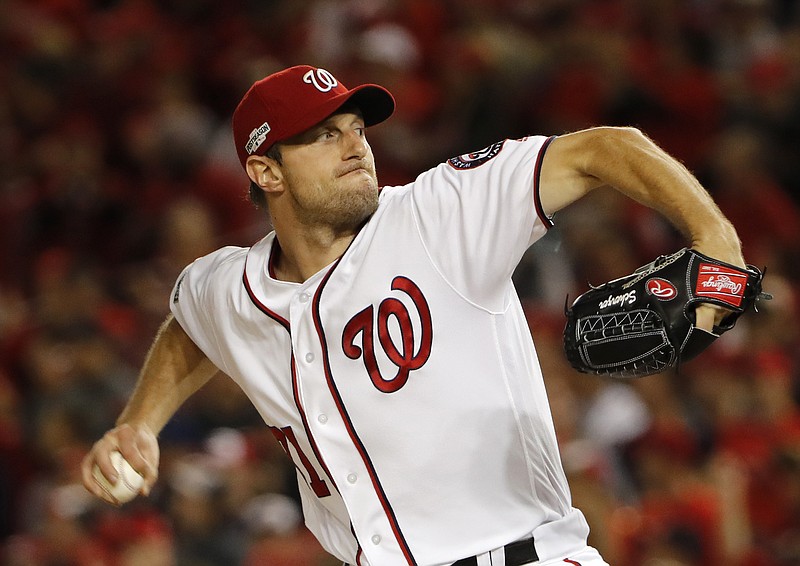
x,y
257,137
476,158
661,289
722,283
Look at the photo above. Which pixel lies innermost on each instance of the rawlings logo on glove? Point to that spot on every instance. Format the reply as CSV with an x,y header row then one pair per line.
x,y
644,323
722,283
661,289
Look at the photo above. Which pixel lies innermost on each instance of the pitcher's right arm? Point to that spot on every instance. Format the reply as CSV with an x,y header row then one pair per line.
x,y
175,368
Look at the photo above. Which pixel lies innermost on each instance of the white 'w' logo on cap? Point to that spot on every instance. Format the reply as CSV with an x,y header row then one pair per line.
x,y
322,80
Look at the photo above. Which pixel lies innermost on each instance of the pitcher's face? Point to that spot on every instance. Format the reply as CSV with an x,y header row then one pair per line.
x,y
329,173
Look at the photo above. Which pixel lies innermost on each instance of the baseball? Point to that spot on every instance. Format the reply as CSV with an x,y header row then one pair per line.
x,y
128,484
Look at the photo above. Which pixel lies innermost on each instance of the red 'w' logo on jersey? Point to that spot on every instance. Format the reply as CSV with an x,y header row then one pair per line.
x,y
403,357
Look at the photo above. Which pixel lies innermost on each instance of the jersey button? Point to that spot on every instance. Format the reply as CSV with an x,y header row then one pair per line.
x,y
309,357
304,297
322,419
376,539
352,478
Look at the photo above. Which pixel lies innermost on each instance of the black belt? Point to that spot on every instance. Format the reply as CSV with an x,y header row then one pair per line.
x,y
517,554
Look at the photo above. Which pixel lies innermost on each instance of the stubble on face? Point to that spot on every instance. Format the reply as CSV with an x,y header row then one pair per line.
x,y
342,203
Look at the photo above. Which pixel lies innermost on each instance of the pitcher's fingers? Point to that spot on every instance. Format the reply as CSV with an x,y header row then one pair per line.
x,y
150,452
89,481
139,446
101,454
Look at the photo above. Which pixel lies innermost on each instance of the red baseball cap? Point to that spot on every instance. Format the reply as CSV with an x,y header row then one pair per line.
x,y
291,101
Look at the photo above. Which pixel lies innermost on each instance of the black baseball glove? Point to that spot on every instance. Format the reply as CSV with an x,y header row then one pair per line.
x,y
644,322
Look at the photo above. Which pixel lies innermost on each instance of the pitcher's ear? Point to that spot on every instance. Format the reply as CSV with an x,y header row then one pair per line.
x,y
265,173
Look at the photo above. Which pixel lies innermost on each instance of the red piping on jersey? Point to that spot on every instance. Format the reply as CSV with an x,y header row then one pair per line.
x,y
387,508
359,550
311,441
261,306
536,172
273,251
295,392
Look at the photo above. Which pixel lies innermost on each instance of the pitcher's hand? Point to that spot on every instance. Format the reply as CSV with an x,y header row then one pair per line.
x,y
137,444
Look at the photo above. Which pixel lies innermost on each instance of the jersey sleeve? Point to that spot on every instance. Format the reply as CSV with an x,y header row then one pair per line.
x,y
477,214
194,297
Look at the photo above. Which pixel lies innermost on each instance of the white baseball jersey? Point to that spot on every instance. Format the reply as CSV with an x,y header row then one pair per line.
x,y
402,379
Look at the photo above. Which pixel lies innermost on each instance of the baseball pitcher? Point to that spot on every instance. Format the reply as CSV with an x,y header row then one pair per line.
x,y
378,333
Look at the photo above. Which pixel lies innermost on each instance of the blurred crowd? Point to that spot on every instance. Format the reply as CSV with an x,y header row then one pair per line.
x,y
117,168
